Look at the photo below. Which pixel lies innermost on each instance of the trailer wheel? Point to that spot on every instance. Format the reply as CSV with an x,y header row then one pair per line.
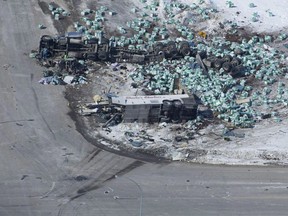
x,y
91,56
158,47
102,55
161,56
171,44
227,58
227,66
185,51
235,62
238,51
238,71
171,52
183,44
218,63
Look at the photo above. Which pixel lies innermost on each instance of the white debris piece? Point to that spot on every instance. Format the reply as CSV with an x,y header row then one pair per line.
x,y
68,79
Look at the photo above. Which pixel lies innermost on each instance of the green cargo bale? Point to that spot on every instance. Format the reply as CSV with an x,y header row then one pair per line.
x,y
51,7
122,30
268,38
41,26
252,5
230,4
99,13
55,12
89,23
33,55
137,28
84,12
254,19
103,8
66,13
56,17
134,10
131,47
201,2
271,14
112,13
283,36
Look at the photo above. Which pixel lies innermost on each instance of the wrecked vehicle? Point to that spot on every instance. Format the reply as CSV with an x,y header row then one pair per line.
x,y
74,44
144,109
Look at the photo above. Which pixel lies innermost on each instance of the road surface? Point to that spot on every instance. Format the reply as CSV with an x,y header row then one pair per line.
x,y
48,168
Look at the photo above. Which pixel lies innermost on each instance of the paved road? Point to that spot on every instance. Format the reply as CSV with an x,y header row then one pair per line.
x,y
47,168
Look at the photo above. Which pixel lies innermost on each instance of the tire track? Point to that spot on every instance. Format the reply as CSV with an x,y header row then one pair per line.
x,y
38,108
97,169
95,181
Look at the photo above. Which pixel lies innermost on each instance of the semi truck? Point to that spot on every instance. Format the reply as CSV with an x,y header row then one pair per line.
x,y
74,44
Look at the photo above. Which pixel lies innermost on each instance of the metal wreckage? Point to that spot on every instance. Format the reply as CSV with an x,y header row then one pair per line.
x,y
73,44
69,53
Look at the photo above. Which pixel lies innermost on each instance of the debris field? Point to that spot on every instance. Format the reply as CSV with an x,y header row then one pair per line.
x,y
237,78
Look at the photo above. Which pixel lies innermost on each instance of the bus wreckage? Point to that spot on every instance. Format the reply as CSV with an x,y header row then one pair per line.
x,y
143,109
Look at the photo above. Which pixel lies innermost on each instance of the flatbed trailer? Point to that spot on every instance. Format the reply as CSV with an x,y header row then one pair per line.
x,y
102,49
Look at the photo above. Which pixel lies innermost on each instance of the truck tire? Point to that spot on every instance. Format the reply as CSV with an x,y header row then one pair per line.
x,y
227,58
158,47
184,44
218,63
171,44
185,51
235,62
227,66
91,56
171,52
102,55
238,51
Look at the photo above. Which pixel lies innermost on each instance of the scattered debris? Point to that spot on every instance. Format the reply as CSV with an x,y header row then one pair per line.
x,y
230,4
269,156
41,26
234,77
58,12
23,177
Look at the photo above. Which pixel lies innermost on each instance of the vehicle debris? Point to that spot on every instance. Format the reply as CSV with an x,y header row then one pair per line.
x,y
153,108
41,26
177,64
57,12
232,75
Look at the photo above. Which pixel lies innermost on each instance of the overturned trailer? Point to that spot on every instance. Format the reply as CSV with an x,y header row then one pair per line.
x,y
157,108
74,44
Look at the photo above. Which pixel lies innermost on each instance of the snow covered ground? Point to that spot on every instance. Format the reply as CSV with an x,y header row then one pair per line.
x,y
271,14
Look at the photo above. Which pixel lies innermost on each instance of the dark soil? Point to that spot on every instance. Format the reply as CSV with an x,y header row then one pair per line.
x,y
64,23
